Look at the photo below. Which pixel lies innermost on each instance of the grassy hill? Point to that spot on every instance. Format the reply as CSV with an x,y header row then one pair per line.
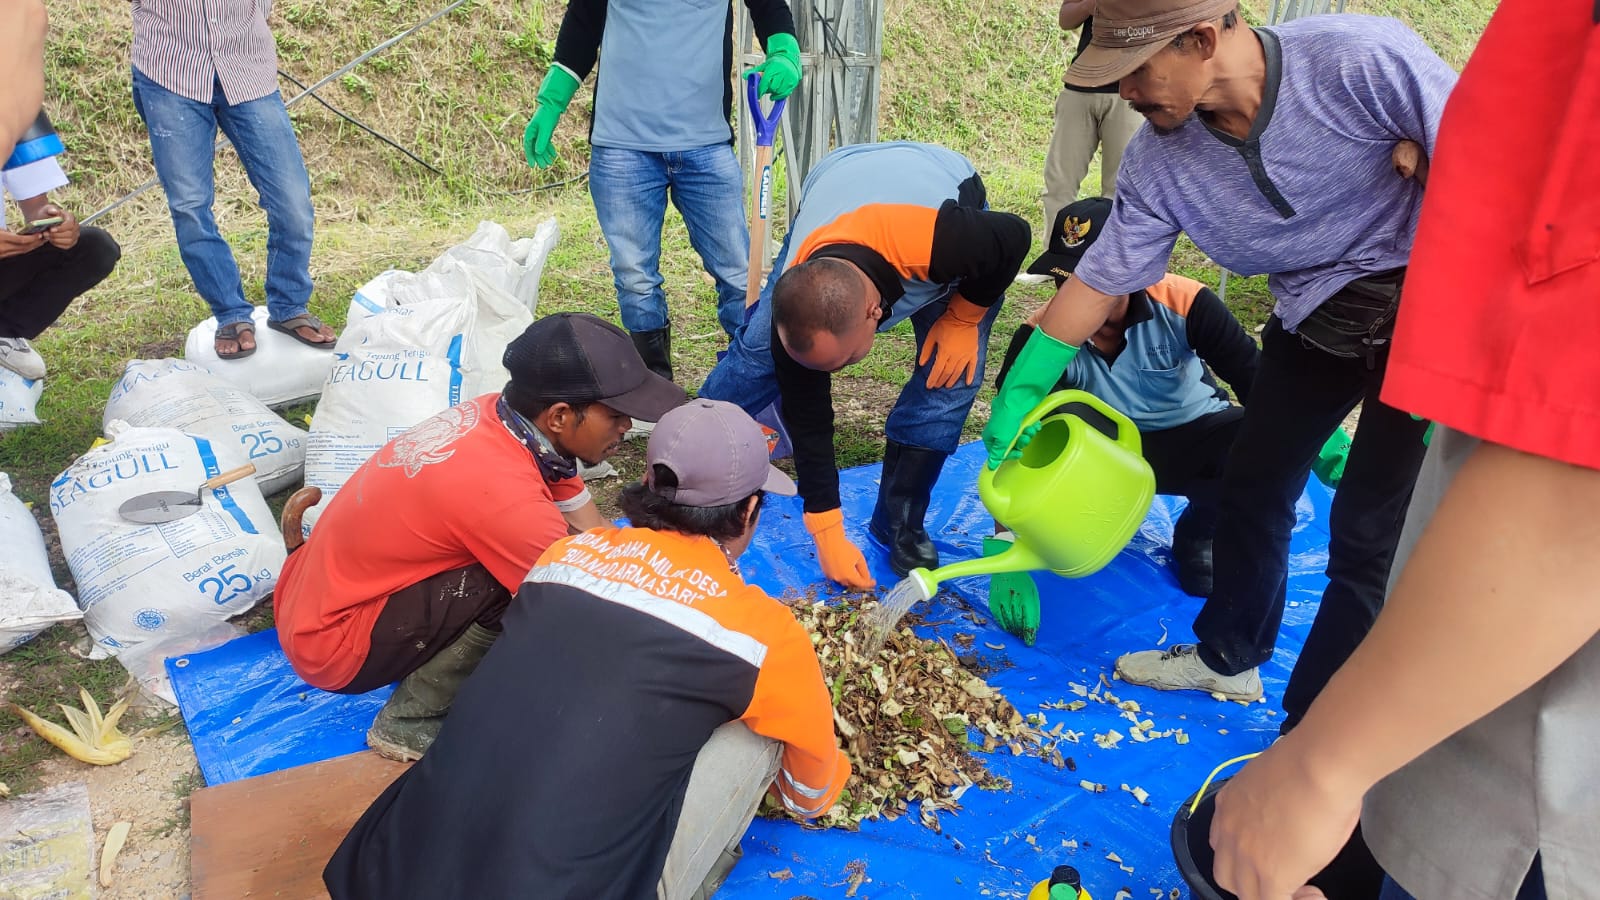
x,y
979,76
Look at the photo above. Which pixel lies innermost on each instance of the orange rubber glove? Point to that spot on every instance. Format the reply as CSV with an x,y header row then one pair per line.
x,y
840,559
955,337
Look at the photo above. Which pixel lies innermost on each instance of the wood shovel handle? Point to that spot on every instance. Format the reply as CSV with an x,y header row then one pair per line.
x,y
758,227
229,477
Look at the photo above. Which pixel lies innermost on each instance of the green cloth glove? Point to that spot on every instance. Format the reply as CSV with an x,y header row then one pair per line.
x,y
1331,458
780,74
1032,376
555,92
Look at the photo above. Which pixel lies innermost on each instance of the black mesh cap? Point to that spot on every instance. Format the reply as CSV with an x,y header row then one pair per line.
x,y
578,358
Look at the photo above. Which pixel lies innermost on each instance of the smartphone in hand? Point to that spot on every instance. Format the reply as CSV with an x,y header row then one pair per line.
x,y
38,225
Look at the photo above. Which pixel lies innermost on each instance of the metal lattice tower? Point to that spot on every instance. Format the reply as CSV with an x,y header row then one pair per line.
x,y
841,47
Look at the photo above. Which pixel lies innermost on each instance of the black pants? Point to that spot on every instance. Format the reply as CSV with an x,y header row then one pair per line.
x,y
420,620
36,287
1189,460
1300,395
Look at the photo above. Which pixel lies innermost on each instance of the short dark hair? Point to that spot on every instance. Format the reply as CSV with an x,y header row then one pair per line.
x,y
651,507
816,295
1229,20
523,399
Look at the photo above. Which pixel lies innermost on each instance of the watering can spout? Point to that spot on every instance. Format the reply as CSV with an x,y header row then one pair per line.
x,y
1018,557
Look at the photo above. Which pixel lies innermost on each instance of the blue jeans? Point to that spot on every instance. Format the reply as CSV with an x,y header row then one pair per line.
x,y
630,189
183,133
921,417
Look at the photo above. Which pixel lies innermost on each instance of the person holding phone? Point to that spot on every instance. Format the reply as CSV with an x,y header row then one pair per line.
x,y
47,260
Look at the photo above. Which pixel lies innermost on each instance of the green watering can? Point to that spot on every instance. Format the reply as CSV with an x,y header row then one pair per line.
x,y
1074,498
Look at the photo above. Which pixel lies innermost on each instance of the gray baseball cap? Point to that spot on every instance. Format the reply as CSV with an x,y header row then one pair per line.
x,y
717,452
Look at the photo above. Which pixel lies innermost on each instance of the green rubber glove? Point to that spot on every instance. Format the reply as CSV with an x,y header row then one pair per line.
x,y
1331,458
555,92
1063,892
1427,436
780,74
1013,596
1032,376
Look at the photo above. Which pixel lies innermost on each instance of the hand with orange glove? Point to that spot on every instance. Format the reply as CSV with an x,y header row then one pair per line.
x,y
954,338
840,559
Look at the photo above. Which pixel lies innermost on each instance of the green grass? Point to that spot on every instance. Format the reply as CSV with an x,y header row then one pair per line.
x,y
979,76
47,673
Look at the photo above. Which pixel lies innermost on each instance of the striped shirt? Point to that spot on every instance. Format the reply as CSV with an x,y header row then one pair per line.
x,y
190,47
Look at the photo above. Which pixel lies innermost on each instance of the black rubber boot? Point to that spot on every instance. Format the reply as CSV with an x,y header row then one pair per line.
x,y
408,723
656,348
1191,550
897,521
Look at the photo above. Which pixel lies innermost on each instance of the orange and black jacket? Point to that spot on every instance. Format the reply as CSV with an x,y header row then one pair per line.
x,y
562,767
914,218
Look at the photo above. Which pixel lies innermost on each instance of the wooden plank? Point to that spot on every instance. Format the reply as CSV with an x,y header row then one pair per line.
x,y
271,836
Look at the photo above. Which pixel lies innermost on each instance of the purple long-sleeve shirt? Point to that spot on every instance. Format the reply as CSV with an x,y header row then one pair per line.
x,y
1310,197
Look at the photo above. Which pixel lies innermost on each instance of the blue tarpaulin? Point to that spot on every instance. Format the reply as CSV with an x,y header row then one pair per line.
x,y
248,714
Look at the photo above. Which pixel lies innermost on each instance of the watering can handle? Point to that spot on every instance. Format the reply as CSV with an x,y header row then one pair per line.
x,y
1127,432
766,125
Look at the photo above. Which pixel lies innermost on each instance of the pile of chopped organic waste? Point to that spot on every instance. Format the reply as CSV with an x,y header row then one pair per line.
x,y
908,719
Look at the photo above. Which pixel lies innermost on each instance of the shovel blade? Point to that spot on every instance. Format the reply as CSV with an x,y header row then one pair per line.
x,y
161,506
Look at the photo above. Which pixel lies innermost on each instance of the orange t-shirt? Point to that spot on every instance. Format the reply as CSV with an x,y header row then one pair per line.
x,y
453,490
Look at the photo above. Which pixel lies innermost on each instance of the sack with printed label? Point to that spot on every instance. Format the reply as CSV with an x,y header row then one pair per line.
x,y
282,371
30,602
175,393
19,400
400,365
392,371
147,582
488,260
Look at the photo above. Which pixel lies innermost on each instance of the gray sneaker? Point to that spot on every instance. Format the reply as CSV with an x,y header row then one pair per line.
x,y
1180,668
19,356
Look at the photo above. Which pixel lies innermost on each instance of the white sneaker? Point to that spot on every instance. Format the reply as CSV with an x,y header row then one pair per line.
x,y
1031,278
19,356
1181,669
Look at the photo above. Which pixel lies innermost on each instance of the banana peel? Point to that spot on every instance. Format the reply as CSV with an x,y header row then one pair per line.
x,y
94,738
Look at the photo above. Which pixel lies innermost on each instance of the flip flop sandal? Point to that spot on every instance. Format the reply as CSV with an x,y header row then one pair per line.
x,y
305,320
231,332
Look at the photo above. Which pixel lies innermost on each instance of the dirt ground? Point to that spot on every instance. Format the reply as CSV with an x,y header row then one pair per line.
x,y
150,790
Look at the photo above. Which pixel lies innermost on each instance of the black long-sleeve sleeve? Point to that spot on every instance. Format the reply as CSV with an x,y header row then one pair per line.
x,y
980,248
807,397
1221,342
578,41
770,17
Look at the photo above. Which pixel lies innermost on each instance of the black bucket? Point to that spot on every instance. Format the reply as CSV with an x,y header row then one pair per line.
x,y
1353,874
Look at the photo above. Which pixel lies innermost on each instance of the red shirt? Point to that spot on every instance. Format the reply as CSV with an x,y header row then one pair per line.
x,y
454,490
1499,330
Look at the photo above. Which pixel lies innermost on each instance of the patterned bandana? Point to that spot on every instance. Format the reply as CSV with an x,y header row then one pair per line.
x,y
552,464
